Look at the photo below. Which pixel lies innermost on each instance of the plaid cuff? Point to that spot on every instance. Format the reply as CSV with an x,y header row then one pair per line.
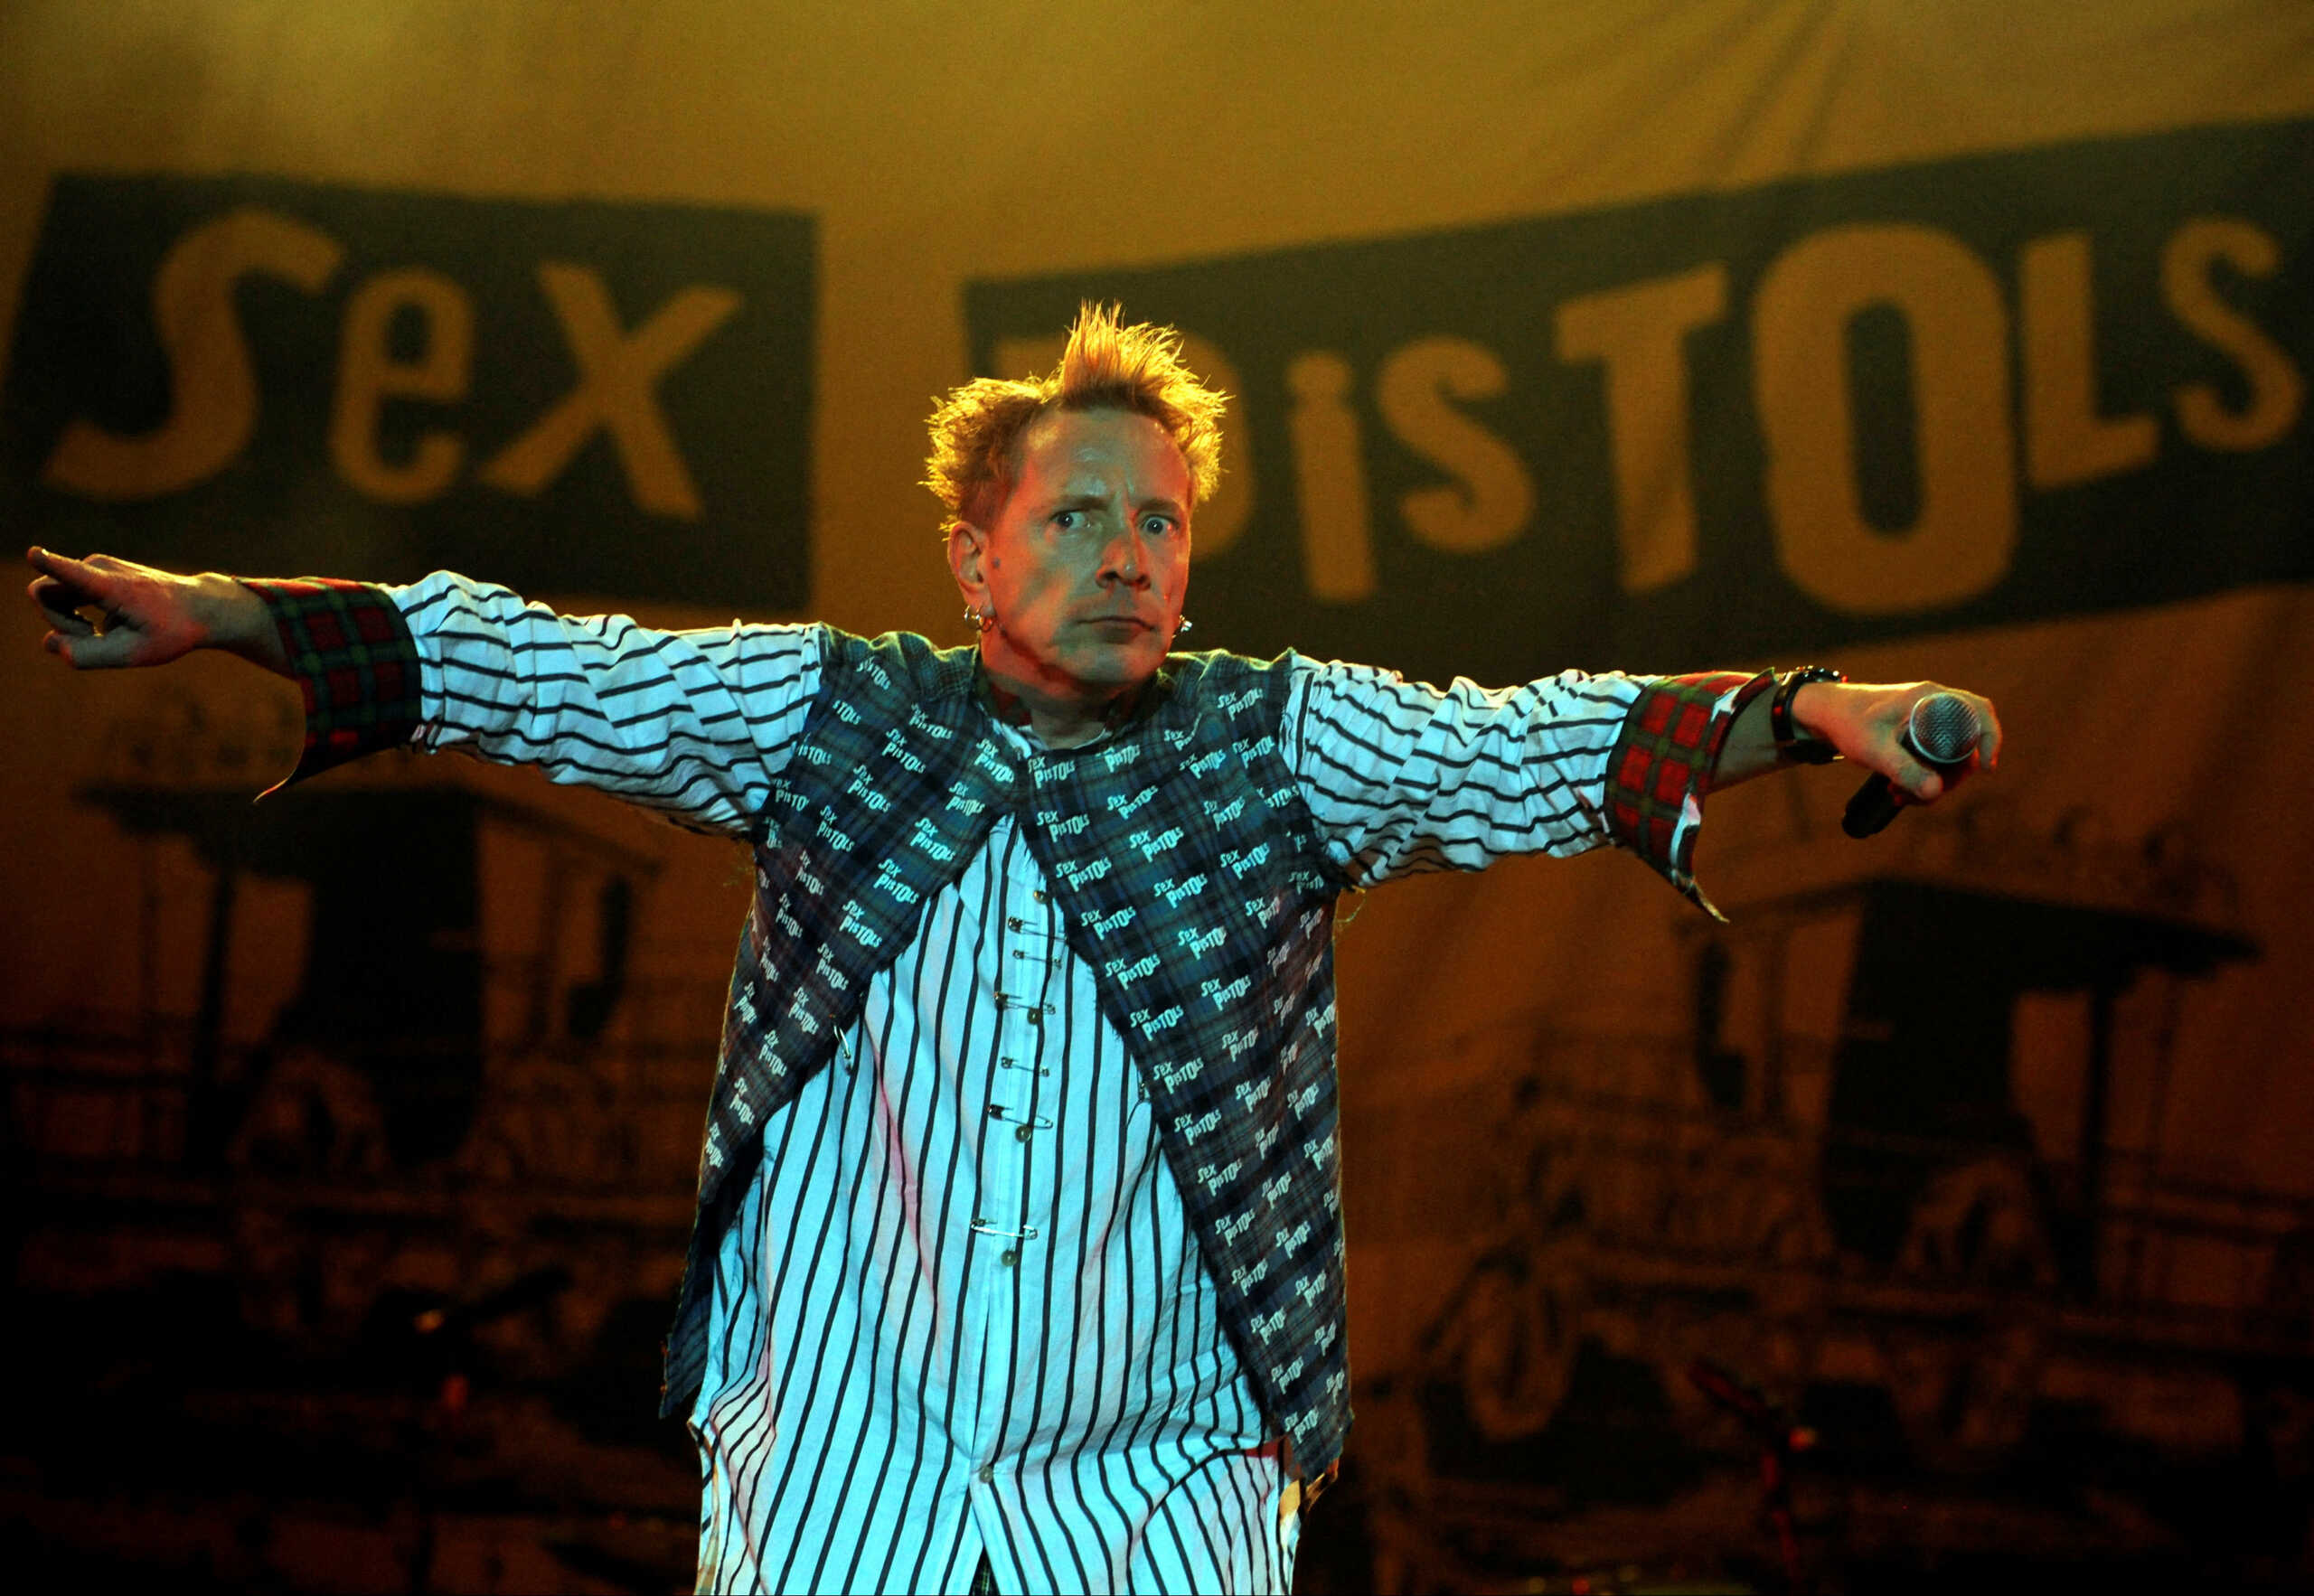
x,y
1662,767
354,658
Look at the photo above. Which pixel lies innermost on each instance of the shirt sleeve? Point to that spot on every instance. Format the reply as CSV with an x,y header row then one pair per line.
x,y
1404,777
695,724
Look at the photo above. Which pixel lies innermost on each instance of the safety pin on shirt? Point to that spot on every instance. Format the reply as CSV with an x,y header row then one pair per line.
x,y
1036,1010
981,1227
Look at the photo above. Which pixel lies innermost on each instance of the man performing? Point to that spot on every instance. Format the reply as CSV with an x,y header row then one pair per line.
x,y
1018,1262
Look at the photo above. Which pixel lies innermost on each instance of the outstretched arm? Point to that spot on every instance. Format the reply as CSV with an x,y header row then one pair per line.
x,y
694,724
1404,777
105,612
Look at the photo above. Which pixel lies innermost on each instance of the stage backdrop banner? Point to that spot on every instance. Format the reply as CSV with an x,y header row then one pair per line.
x,y
256,375
1966,341
1958,393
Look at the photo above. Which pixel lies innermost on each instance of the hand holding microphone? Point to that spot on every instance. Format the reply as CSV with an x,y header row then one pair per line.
x,y
1942,732
1922,737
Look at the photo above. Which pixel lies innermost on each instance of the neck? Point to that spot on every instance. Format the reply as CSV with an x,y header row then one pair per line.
x,y
1062,711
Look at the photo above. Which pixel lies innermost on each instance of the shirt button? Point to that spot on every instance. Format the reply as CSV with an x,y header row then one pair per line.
x,y
1010,1256
985,1474
1022,1135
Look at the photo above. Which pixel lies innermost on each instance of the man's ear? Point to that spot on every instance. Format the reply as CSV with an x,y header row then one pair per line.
x,y
966,546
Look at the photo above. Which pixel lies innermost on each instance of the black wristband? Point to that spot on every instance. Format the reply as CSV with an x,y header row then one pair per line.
x,y
1789,741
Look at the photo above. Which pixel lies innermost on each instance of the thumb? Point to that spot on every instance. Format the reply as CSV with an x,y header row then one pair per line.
x,y
1915,780
101,650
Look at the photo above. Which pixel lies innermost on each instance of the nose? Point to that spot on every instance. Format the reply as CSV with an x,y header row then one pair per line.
x,y
1126,558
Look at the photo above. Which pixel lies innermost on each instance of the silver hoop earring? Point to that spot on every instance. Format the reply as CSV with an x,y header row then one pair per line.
x,y
1183,624
982,620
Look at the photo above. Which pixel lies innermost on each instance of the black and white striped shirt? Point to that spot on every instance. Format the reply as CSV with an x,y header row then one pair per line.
x,y
961,1312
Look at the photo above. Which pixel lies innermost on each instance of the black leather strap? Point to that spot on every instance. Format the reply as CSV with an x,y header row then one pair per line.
x,y
1789,741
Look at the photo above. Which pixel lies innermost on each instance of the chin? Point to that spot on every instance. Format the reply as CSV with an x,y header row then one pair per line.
x,y
1123,665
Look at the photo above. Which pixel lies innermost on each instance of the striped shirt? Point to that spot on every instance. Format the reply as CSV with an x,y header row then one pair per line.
x,y
960,1313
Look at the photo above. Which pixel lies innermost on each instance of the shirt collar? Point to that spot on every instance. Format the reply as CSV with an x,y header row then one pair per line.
x,y
1009,708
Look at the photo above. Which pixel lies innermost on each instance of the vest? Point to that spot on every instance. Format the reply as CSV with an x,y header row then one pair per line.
x,y
1191,878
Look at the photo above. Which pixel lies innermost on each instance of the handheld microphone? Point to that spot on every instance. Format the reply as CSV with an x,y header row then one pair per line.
x,y
1942,732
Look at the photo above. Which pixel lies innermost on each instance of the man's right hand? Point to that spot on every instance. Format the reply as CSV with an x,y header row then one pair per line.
x,y
104,612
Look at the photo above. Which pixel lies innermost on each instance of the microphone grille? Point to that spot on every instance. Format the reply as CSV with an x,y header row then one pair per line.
x,y
1942,729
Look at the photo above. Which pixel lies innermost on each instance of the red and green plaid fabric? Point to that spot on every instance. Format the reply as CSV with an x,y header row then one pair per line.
x,y
355,661
1662,763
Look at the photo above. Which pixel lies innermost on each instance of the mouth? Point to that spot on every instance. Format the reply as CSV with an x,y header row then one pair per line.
x,y
1122,623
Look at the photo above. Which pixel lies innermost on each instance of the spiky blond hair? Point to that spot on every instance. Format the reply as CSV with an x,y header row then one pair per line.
x,y
976,431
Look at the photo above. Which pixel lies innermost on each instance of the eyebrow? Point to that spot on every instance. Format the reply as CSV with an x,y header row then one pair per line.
x,y
1100,501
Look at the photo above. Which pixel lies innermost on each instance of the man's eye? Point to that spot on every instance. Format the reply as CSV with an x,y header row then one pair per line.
x,y
1066,519
1157,525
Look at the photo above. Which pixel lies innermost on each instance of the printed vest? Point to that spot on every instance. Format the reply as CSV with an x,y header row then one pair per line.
x,y
1191,879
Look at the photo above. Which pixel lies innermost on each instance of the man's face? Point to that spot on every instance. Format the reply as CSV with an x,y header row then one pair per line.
x,y
1086,563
